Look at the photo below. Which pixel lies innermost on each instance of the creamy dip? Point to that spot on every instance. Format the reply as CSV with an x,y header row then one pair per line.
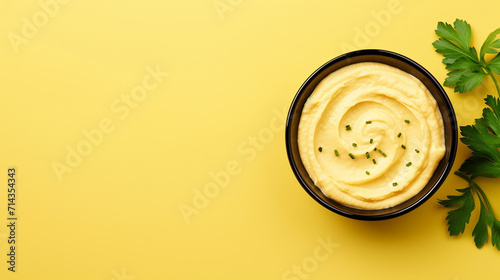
x,y
370,136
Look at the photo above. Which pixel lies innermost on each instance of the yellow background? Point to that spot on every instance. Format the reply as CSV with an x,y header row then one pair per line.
x,y
233,71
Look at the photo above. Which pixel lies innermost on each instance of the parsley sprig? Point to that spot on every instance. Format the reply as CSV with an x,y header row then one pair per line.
x,y
483,139
468,70
458,218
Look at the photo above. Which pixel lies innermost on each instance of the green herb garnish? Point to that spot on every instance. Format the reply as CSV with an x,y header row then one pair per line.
x,y
408,164
351,156
320,149
467,71
416,150
371,141
403,146
464,204
354,144
374,161
407,121
367,172
394,184
368,122
399,134
483,139
348,127
336,153
367,155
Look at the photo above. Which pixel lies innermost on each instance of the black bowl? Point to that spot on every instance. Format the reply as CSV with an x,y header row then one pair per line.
x,y
391,59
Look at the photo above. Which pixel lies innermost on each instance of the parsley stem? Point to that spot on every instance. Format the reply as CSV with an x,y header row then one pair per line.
x,y
494,80
478,191
463,176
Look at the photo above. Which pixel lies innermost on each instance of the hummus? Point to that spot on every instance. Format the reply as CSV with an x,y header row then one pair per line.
x,y
370,136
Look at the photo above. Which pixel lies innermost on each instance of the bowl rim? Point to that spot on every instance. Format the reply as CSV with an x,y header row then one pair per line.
x,y
450,112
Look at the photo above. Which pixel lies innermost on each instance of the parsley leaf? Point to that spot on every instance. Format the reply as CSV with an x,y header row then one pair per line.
x,y
457,219
483,139
491,44
495,233
494,64
469,80
480,231
454,42
468,70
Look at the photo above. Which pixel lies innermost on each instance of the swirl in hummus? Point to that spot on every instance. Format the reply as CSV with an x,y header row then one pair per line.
x,y
370,136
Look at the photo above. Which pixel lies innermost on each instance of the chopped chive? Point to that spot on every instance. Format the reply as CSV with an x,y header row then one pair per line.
x,y
320,149
399,135
403,146
368,122
384,155
371,141
380,151
367,155
407,121
336,153
354,144
375,149
351,156
394,184
348,127
416,150
367,172
408,164
374,161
